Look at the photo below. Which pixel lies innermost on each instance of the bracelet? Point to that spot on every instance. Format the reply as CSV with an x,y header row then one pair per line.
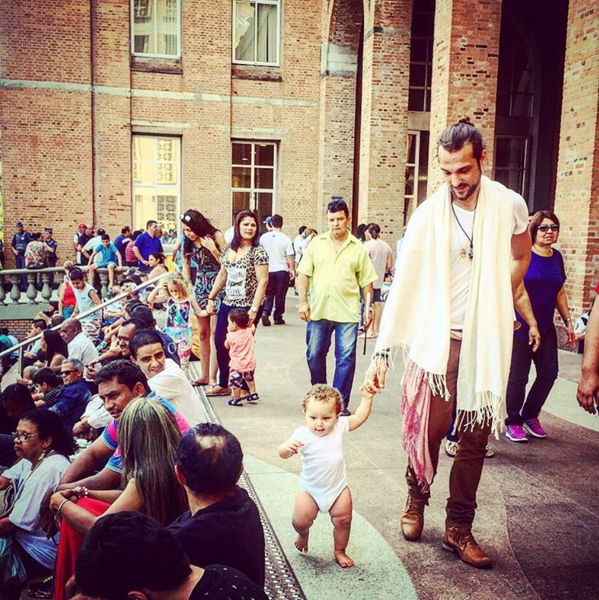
x,y
59,511
210,299
81,491
567,320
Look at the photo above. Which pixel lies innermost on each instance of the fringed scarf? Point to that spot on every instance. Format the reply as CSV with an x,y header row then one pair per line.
x,y
416,318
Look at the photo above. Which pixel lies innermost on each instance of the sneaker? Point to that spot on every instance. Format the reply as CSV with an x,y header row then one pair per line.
x,y
515,433
451,448
279,321
265,321
43,588
533,427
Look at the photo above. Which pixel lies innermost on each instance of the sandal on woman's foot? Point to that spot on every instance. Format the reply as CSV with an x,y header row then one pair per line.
x,y
253,397
235,402
198,383
216,390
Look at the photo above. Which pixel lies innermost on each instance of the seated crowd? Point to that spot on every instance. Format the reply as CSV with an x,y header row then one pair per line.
x,y
113,483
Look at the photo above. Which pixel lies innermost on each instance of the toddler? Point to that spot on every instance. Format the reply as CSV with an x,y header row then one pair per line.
x,y
242,362
323,483
180,308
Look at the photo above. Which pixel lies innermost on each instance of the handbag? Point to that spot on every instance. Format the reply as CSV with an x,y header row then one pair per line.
x,y
8,499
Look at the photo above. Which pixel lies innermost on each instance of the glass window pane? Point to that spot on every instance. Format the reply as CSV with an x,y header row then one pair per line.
x,y
416,100
166,211
242,154
245,31
409,190
503,104
263,206
421,24
241,201
166,25
427,101
417,75
268,33
418,50
145,173
521,105
143,147
423,154
510,153
264,179
242,177
143,26
144,208
265,155
411,148
522,82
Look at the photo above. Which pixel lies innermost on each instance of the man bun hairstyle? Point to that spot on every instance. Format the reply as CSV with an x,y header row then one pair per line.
x,y
456,136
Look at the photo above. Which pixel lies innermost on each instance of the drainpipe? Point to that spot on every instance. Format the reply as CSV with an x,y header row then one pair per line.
x,y
355,205
94,126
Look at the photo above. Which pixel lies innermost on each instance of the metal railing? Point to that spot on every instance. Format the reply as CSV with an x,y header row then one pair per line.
x,y
35,276
21,345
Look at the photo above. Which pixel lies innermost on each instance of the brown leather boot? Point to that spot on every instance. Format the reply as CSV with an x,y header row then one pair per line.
x,y
412,518
461,541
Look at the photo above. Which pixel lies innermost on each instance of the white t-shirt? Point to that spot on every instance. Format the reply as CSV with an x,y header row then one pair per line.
x,y
173,385
76,241
26,512
229,234
278,246
460,270
82,348
299,246
379,252
323,467
92,245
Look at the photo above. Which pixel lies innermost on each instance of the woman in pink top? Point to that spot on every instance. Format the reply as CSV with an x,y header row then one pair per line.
x,y
242,361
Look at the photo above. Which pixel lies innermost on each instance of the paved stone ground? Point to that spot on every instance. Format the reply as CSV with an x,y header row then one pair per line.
x,y
538,503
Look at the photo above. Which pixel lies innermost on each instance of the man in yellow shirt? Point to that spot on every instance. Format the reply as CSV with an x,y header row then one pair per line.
x,y
334,269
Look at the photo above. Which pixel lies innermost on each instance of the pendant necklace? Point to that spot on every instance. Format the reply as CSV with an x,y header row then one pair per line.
x,y
465,254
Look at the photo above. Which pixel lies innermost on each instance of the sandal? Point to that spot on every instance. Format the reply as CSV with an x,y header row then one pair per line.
x,y
198,383
216,390
253,397
235,402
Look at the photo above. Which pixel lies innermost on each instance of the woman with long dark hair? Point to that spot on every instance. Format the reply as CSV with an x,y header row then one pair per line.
x,y
244,276
55,348
148,439
203,243
44,446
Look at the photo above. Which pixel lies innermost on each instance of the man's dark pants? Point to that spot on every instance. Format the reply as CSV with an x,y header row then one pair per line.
x,y
468,464
276,292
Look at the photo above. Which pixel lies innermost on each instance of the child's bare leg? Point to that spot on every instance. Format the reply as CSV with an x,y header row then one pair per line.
x,y
304,513
252,386
341,513
111,275
236,392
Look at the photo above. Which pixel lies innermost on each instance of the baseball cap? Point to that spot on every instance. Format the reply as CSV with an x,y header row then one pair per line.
x,y
267,221
82,224
19,224
48,229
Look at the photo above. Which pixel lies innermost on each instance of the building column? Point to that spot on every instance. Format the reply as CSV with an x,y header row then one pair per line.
x,y
465,66
384,115
577,190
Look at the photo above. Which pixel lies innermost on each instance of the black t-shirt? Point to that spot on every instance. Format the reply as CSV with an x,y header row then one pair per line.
x,y
83,239
225,583
226,533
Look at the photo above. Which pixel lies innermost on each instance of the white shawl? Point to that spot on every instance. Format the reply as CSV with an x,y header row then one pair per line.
x,y
416,317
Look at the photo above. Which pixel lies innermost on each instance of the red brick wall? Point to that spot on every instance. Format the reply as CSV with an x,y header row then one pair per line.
x,y
465,64
577,192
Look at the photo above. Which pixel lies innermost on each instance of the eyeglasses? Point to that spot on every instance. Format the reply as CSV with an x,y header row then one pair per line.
x,y
22,437
547,227
63,373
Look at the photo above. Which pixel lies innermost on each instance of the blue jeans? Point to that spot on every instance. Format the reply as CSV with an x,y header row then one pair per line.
x,y
318,339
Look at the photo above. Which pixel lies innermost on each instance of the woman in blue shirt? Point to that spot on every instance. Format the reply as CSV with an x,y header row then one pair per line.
x,y
544,283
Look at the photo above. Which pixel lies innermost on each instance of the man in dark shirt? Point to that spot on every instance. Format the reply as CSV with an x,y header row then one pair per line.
x,y
223,524
122,240
81,242
147,243
50,245
18,245
128,555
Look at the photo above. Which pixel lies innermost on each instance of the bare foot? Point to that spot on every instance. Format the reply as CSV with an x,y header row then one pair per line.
x,y
301,543
343,560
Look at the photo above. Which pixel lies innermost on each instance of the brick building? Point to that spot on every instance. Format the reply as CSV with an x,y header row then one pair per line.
x,y
116,111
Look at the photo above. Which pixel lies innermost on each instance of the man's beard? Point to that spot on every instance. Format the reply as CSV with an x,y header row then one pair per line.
x,y
470,191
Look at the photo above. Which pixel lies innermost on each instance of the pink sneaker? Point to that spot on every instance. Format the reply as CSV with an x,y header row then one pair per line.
x,y
533,427
515,433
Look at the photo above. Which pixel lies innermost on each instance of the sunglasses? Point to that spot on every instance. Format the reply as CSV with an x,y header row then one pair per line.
x,y
63,373
184,217
547,227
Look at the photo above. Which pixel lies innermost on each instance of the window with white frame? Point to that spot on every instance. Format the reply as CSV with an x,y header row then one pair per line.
x,y
156,180
416,171
156,27
256,31
253,177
